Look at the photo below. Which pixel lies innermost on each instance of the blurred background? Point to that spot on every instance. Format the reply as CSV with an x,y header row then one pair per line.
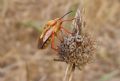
x,y
21,22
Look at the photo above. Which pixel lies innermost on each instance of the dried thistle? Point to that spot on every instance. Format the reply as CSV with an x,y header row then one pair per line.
x,y
77,49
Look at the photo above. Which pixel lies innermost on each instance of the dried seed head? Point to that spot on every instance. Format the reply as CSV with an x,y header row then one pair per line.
x,y
78,48
70,40
78,52
78,38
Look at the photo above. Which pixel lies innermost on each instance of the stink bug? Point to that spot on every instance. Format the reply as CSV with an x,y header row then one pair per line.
x,y
51,29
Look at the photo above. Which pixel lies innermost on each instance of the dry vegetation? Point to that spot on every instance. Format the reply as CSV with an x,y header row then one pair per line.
x,y
20,60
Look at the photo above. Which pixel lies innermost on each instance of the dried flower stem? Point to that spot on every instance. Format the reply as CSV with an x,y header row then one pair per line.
x,y
69,72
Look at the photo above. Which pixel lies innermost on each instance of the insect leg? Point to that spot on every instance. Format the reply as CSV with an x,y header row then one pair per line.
x,y
52,44
66,30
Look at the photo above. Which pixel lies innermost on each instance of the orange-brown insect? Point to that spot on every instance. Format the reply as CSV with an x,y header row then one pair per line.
x,y
50,31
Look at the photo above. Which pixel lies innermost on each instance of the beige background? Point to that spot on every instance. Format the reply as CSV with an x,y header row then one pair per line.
x,y
20,60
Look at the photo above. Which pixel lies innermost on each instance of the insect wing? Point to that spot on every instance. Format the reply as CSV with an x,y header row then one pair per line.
x,y
48,34
44,39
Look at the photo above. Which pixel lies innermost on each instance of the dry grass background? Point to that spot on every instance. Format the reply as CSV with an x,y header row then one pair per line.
x,y
20,60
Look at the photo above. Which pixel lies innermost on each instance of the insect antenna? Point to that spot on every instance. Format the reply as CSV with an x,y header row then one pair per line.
x,y
66,14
